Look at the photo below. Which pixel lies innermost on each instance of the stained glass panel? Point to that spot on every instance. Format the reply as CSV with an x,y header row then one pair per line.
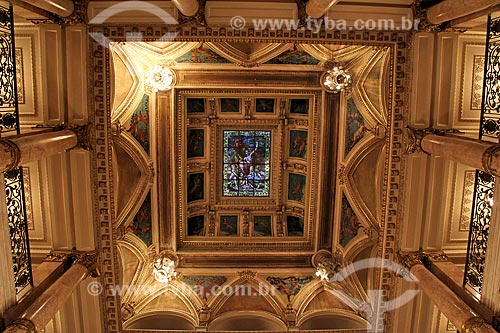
x,y
246,170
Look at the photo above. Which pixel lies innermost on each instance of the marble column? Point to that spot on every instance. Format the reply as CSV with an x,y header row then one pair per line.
x,y
317,8
453,307
61,8
21,149
451,9
478,154
45,307
187,7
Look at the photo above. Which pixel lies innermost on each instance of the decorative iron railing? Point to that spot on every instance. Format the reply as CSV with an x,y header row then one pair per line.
x,y
485,183
9,124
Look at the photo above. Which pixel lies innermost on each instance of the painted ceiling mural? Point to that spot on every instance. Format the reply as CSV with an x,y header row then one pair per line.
x,y
240,169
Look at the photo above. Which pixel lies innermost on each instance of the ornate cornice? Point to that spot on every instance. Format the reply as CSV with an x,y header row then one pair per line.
x,y
15,154
23,325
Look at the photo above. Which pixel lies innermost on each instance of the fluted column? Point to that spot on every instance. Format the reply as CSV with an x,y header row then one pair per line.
x,y
451,9
45,307
187,7
453,307
317,8
478,154
21,149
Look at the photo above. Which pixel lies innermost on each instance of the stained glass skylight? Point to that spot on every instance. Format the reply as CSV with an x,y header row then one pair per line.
x,y
246,158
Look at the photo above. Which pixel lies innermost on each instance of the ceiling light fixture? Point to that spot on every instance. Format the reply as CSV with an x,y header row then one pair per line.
x,y
159,78
336,79
327,265
164,268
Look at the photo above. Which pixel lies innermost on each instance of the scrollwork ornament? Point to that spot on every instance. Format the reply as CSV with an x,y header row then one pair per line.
x,y
56,256
410,259
247,275
127,310
489,155
87,259
24,325
204,315
15,154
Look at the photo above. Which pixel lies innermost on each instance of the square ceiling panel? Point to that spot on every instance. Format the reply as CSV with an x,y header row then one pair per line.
x,y
248,171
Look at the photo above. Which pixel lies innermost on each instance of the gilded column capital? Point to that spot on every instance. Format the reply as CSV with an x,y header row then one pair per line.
x,y
301,6
56,256
420,16
82,132
22,324
475,322
420,257
414,137
197,19
489,156
410,259
88,259
15,154
79,16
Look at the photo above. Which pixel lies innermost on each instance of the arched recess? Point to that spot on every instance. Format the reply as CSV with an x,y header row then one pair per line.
x,y
133,177
366,251
133,253
161,320
364,170
247,321
261,292
248,54
164,51
336,53
314,296
331,320
128,84
369,90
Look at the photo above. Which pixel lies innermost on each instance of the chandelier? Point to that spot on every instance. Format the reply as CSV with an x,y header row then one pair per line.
x,y
164,270
159,78
327,264
336,79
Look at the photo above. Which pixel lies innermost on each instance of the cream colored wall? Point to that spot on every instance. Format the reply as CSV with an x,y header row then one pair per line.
x,y
438,196
59,196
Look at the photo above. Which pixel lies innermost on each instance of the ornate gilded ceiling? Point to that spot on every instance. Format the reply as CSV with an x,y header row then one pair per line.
x,y
247,165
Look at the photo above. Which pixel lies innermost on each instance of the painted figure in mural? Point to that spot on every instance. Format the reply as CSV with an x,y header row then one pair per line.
x,y
349,224
245,165
139,127
289,286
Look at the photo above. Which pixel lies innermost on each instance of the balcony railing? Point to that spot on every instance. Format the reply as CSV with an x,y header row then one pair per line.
x,y
485,183
9,125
